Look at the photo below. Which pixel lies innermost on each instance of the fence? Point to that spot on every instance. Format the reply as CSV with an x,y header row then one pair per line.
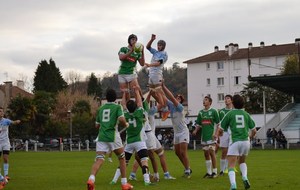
x,y
193,145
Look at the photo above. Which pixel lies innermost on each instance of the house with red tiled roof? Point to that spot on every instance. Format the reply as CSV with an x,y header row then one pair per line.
x,y
225,71
8,91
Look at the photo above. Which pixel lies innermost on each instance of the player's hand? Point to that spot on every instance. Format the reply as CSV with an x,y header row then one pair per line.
x,y
153,37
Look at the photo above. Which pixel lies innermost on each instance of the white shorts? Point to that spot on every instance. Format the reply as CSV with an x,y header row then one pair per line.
x,y
155,79
150,140
135,147
239,148
4,145
157,144
205,143
224,140
182,137
109,146
126,78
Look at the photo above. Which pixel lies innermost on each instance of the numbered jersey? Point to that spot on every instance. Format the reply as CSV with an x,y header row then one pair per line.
x,y
136,122
239,122
107,117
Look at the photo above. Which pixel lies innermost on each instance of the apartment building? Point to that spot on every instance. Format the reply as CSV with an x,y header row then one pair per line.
x,y
225,71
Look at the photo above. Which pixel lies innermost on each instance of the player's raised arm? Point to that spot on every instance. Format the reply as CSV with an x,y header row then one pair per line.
x,y
138,98
169,95
153,37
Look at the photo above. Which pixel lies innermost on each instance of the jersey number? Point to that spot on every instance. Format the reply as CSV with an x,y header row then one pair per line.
x,y
133,122
239,119
105,115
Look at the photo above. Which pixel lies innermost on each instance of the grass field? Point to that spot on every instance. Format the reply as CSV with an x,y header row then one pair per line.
x,y
267,169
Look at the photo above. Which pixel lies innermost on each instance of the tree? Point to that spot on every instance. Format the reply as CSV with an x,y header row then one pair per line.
x,y
45,104
22,108
48,78
291,65
275,99
94,86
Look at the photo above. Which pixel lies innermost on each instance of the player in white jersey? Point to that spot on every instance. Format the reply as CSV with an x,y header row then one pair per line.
x,y
239,122
181,131
158,60
5,145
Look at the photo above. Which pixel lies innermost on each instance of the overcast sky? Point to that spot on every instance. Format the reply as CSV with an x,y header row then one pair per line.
x,y
84,36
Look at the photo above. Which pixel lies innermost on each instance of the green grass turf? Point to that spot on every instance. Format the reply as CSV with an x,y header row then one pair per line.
x,y
267,169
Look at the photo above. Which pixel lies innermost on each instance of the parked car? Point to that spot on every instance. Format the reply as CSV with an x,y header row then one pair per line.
x,y
31,143
51,143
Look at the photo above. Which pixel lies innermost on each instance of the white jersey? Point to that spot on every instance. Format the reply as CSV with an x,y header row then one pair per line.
x,y
157,56
177,117
4,125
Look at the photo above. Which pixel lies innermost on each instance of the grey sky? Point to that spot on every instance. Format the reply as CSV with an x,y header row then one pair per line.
x,y
85,36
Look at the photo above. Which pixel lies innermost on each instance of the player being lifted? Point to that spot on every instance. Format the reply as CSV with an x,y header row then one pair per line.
x,y
159,58
127,75
239,122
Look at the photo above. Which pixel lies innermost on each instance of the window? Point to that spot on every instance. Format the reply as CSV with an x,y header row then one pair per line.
x,y
220,81
237,80
220,65
208,81
237,65
207,66
221,97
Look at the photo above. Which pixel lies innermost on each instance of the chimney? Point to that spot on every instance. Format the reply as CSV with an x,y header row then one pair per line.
x,y
216,48
297,41
250,45
262,44
230,49
226,48
236,47
8,92
20,84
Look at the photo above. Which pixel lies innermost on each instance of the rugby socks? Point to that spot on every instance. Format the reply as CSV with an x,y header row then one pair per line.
x,y
92,177
117,175
123,180
5,169
145,171
223,165
208,166
231,175
243,168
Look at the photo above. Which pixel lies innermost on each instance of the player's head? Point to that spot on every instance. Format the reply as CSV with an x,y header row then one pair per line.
x,y
228,99
111,95
131,106
180,98
207,101
132,38
238,101
161,45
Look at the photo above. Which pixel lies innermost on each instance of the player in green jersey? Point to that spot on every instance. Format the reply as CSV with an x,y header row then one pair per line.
x,y
135,135
239,122
207,119
224,137
127,75
108,117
